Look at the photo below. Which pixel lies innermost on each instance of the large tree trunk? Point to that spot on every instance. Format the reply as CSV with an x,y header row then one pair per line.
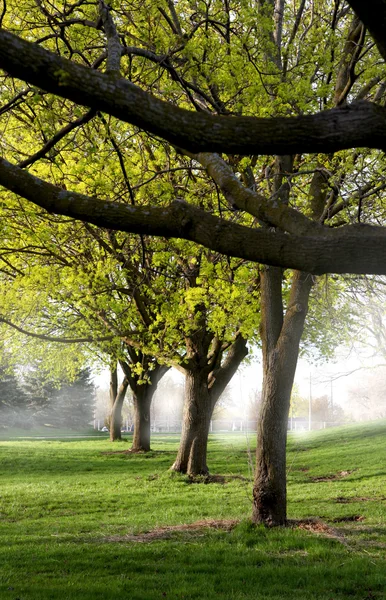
x,y
280,339
269,493
198,409
142,398
203,388
116,411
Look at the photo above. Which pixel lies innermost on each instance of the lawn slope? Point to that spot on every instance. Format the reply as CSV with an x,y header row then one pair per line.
x,y
85,519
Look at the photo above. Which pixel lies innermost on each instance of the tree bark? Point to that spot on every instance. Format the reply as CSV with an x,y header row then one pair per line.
x,y
362,124
142,398
281,335
355,248
280,340
198,409
203,388
116,410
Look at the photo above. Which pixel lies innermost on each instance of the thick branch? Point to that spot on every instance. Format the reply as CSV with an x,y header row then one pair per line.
x,y
268,210
129,375
114,48
361,124
373,15
351,249
223,375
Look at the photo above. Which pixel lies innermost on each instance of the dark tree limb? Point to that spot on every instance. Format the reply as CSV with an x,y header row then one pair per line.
x,y
351,249
373,15
360,124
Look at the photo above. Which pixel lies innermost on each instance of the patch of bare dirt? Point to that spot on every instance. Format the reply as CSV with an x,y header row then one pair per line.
x,y
131,451
344,500
162,533
334,477
374,544
222,479
349,519
317,526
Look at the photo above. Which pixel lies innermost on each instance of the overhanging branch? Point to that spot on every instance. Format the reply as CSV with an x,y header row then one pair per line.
x,y
350,249
373,15
361,124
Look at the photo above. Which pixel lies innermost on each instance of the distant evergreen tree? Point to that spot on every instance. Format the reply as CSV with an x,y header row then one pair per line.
x,y
39,393
13,400
61,404
74,403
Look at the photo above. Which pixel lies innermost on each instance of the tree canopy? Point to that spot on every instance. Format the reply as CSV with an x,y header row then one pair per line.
x,y
158,63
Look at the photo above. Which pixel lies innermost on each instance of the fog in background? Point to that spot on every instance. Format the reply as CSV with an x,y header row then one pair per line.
x,y
351,388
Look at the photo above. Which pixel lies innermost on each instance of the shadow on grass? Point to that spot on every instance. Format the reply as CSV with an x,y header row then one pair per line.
x,y
75,461
244,563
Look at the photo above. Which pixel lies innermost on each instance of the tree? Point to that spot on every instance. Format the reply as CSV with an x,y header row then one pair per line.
x,y
13,401
361,124
75,401
282,326
117,394
114,282
204,384
366,295
63,403
209,62
109,284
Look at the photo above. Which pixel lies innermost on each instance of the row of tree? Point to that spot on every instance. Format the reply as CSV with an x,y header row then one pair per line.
x,y
149,303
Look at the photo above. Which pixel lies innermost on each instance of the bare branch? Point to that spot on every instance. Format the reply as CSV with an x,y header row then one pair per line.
x,y
57,137
57,339
114,48
3,12
175,17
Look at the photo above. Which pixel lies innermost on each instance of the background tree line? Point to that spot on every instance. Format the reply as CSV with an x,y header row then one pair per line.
x,y
29,399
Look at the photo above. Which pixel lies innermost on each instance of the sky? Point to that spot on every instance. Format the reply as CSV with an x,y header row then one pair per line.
x,y
337,377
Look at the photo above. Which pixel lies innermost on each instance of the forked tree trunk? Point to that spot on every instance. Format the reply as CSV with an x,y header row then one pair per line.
x,y
203,388
281,336
198,409
142,398
116,411
280,339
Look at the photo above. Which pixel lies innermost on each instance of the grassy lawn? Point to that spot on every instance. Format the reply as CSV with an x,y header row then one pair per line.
x,y
83,519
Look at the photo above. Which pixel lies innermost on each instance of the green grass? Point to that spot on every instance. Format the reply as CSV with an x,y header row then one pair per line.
x,y
74,517
47,431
